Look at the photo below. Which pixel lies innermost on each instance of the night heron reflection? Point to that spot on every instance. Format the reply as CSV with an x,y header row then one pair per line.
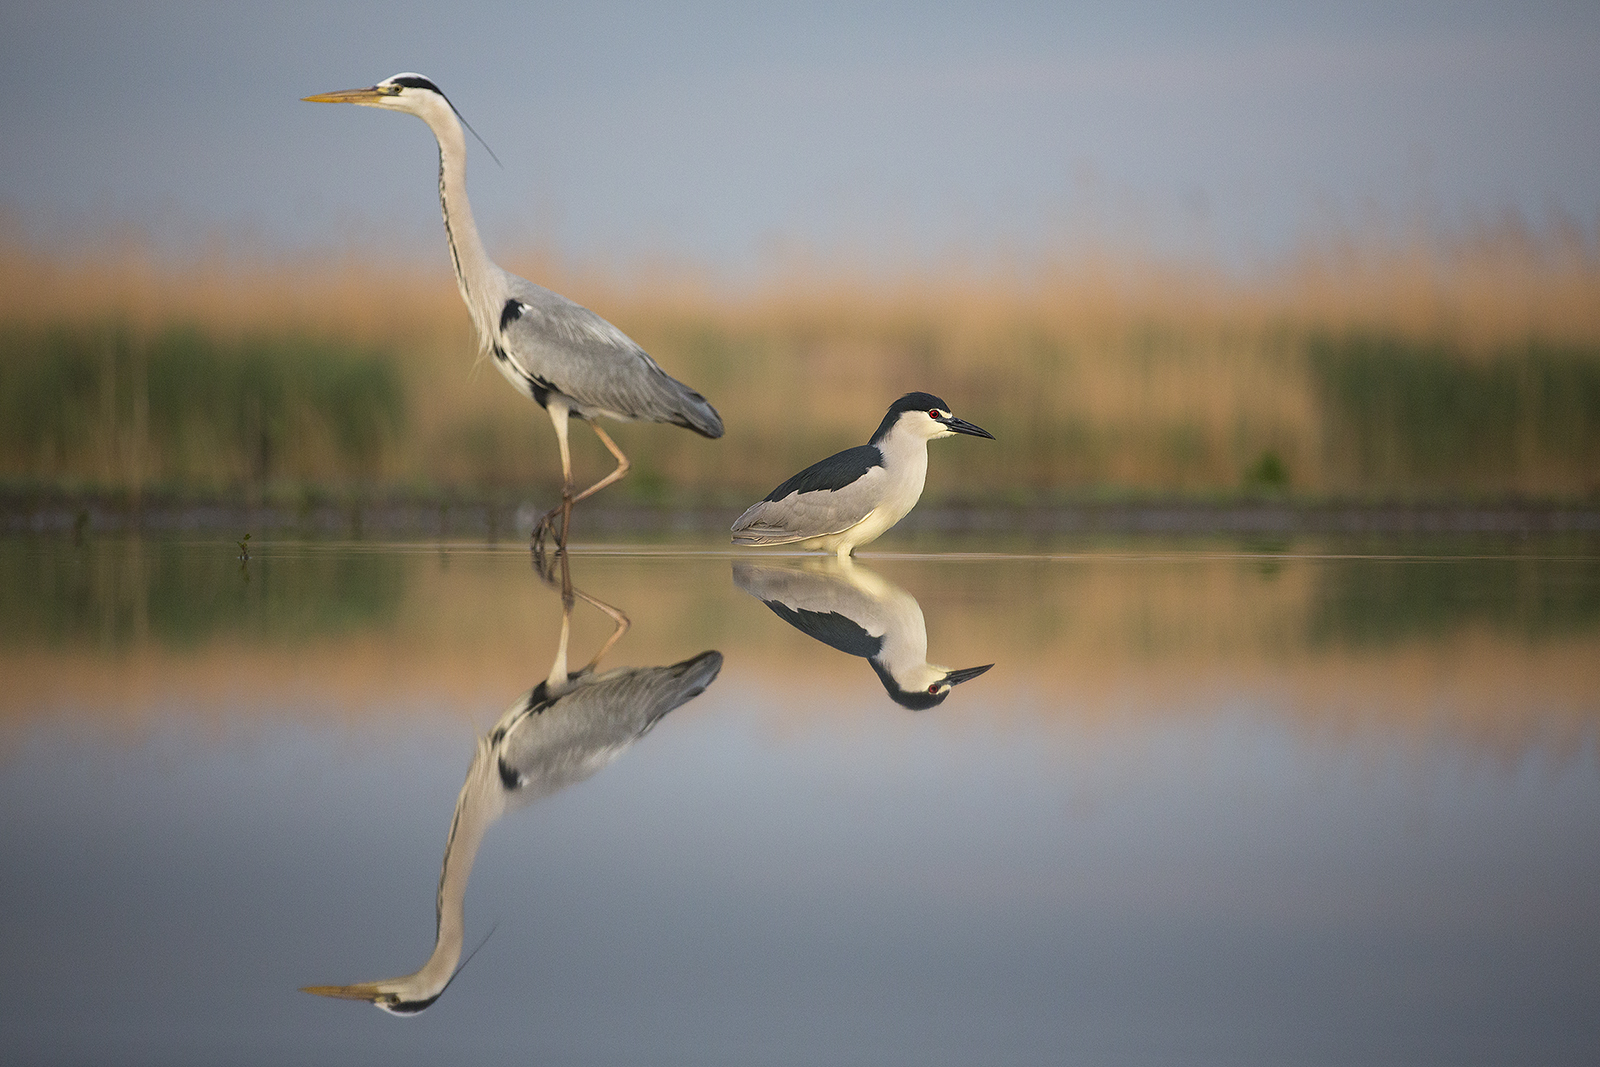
x,y
560,732
846,606
565,357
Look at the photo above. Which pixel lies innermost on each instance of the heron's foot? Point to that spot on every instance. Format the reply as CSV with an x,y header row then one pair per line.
x,y
543,566
546,528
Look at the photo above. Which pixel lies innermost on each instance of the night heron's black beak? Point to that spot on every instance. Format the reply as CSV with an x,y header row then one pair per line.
x,y
967,674
963,426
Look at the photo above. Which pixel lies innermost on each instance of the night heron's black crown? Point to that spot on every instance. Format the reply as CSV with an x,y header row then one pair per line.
x,y
909,402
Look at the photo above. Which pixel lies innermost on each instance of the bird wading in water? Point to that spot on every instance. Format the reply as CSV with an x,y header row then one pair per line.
x,y
562,355
851,498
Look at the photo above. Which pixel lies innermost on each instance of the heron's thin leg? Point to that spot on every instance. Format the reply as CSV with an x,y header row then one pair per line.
x,y
622,465
616,616
558,412
569,595
566,580
558,670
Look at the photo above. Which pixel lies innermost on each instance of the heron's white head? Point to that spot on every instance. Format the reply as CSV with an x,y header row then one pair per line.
x,y
408,92
925,685
397,996
414,94
924,416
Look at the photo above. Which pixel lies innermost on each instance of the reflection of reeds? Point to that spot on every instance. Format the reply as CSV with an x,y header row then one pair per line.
x,y
1468,365
1502,653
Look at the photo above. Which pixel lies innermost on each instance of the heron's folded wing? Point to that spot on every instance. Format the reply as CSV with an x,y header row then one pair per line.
x,y
575,734
801,514
567,347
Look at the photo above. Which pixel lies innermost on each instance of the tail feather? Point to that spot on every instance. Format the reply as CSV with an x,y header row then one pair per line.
x,y
698,415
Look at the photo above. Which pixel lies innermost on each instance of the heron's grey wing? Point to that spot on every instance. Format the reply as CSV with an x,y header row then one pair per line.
x,y
565,346
823,606
817,513
566,739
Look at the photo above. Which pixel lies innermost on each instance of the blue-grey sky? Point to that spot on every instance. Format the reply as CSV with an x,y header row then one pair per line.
x,y
719,132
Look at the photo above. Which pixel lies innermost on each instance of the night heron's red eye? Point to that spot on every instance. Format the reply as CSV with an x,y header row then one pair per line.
x,y
933,690
934,413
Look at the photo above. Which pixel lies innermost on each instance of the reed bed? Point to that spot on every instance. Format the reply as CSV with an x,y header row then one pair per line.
x,y
1363,366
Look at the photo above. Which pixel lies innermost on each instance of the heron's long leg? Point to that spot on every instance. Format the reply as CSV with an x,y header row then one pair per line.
x,y
557,681
615,614
569,595
622,465
558,411
567,499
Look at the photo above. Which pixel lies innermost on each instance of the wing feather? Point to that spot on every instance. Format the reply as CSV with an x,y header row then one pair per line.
x,y
801,514
567,347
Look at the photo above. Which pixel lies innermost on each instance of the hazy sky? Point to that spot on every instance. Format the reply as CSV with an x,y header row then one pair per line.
x,y
720,132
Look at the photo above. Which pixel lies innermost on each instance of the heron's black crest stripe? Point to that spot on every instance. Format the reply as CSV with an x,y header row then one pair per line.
x,y
909,402
829,627
510,313
410,1007
417,81
835,472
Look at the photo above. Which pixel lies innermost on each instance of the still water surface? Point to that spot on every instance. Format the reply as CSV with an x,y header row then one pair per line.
x,y
1322,803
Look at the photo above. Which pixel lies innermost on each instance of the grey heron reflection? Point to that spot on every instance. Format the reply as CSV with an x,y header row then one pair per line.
x,y
855,610
562,731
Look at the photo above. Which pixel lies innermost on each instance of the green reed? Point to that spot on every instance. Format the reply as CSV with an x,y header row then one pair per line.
x,y
1424,416
110,405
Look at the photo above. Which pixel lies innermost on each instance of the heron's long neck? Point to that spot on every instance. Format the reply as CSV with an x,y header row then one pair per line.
x,y
475,273
478,806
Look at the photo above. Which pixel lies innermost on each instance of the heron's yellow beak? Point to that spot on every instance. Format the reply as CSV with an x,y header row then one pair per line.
x,y
367,991
347,96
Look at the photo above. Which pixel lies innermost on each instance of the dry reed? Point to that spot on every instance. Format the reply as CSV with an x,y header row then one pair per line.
x,y
1096,372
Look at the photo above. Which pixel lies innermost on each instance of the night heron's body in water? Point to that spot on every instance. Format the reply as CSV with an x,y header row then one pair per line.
x,y
565,357
852,497
565,729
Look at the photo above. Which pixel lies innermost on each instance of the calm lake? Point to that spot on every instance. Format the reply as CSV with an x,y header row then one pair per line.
x,y
1311,802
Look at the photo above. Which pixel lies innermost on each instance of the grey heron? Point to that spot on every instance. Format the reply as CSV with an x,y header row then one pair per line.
x,y
561,355
559,733
852,497
848,607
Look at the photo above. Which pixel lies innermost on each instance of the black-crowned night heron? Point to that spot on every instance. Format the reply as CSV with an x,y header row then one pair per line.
x,y
565,357
846,606
851,498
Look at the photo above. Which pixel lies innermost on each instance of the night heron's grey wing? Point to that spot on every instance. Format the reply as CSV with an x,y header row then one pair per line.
x,y
555,344
827,497
560,741
824,606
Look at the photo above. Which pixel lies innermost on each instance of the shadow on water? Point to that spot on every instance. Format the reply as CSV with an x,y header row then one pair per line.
x,y
559,733
846,606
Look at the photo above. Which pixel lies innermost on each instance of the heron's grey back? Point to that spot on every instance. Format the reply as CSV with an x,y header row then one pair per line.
x,y
817,513
573,736
568,347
